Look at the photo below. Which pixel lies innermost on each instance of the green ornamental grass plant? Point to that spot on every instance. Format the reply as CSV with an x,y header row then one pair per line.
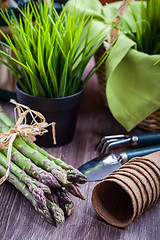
x,y
51,51
147,35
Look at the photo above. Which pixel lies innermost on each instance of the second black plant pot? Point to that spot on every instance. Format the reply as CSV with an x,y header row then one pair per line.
x,y
62,111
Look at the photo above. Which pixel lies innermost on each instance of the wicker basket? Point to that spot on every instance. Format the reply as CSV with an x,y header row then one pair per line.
x,y
152,122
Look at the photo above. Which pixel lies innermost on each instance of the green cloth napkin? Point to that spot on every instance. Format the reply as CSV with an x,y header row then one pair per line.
x,y
132,78
133,83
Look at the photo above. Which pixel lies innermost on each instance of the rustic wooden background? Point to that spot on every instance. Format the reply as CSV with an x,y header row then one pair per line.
x,y
18,219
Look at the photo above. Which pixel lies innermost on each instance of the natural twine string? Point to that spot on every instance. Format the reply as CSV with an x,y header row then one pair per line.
x,y
23,130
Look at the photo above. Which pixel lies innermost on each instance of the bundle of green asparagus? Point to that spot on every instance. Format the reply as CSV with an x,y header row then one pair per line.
x,y
46,181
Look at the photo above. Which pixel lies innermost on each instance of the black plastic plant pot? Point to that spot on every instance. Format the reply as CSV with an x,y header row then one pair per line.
x,y
62,111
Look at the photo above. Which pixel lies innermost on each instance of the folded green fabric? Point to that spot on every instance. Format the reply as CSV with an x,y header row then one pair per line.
x,y
132,78
133,83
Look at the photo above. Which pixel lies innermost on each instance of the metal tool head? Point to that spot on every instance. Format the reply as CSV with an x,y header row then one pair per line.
x,y
108,143
100,167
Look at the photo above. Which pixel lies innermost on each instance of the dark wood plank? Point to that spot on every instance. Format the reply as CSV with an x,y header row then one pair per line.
x,y
18,219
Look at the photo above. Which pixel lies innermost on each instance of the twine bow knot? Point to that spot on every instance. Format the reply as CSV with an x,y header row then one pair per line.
x,y
23,130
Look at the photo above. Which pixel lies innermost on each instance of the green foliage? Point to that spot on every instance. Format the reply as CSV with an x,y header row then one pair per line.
x,y
51,51
147,35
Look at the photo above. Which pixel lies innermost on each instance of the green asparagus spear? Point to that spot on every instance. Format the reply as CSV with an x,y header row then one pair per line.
x,y
39,159
29,167
25,191
52,213
64,200
56,211
55,205
73,174
75,191
32,184
36,157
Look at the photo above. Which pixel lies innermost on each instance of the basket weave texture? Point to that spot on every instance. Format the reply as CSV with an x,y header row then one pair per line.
x,y
152,122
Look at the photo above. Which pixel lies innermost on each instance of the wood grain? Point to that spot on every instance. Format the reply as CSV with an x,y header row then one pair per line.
x,y
18,219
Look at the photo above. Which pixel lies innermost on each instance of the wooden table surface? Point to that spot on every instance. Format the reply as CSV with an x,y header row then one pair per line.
x,y
18,219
